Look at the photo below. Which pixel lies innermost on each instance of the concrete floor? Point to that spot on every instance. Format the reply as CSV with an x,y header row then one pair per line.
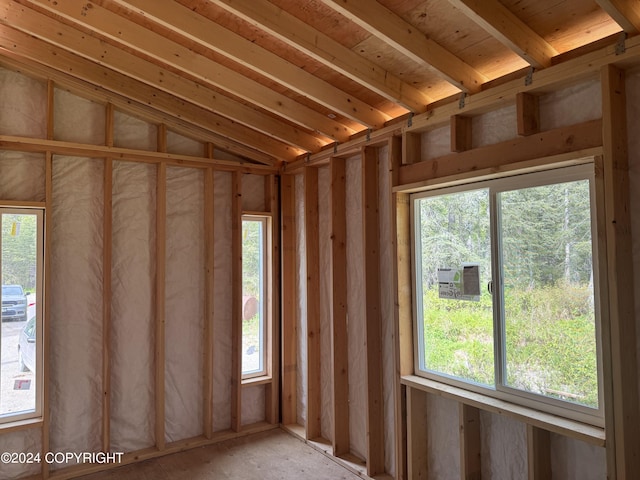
x,y
272,455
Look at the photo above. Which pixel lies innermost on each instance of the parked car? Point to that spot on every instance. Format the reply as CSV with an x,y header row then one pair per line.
x,y
14,303
27,346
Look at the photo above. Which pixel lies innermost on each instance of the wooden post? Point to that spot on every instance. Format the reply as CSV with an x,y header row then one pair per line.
x,y
51,87
461,133
209,309
404,319
371,249
622,416
339,343
46,327
528,113
161,240
538,453
106,305
313,427
469,418
273,308
236,315
417,437
289,302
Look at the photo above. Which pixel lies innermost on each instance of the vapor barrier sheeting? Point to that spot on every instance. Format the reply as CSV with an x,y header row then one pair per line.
x,y
76,305
301,313
222,301
77,119
133,306
24,105
184,304
22,176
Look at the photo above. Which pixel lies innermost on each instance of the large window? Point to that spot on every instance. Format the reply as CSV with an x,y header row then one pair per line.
x,y
504,289
255,274
21,247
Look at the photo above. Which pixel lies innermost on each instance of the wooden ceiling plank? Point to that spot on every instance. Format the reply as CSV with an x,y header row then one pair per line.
x,y
134,67
213,36
166,52
508,29
123,92
626,13
404,37
322,48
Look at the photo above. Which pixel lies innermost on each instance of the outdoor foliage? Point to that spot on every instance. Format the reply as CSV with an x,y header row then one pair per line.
x,y
19,250
547,311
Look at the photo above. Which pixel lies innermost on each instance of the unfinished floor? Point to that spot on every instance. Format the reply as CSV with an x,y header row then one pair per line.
x,y
266,456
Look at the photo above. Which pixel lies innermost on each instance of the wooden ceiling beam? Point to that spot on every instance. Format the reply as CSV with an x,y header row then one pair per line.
x,y
24,52
405,38
148,103
127,64
213,36
508,29
165,52
626,13
322,48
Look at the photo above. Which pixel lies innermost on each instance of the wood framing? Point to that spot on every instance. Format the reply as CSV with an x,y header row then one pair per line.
x,y
417,437
161,247
289,334
46,328
528,114
498,156
624,430
538,453
469,421
461,139
209,307
272,389
374,367
236,299
339,343
312,248
106,304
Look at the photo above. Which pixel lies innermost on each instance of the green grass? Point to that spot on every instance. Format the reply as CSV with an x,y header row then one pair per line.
x,y
550,341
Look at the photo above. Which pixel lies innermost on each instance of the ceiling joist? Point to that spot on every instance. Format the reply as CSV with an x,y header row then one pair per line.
x,y
322,48
408,40
210,35
161,49
625,12
509,30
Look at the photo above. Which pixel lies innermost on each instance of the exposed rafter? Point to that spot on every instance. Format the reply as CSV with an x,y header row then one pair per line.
x,y
20,45
626,13
167,52
508,29
197,28
404,37
320,47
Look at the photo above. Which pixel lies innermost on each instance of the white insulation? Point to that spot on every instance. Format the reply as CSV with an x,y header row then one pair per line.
x,y
443,438
184,306
133,306
301,311
76,305
23,176
222,301
503,447
76,272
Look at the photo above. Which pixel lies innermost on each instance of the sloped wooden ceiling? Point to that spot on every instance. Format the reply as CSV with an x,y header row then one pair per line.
x,y
271,81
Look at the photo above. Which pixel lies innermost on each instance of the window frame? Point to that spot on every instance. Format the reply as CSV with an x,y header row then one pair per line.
x,y
265,303
551,174
11,419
